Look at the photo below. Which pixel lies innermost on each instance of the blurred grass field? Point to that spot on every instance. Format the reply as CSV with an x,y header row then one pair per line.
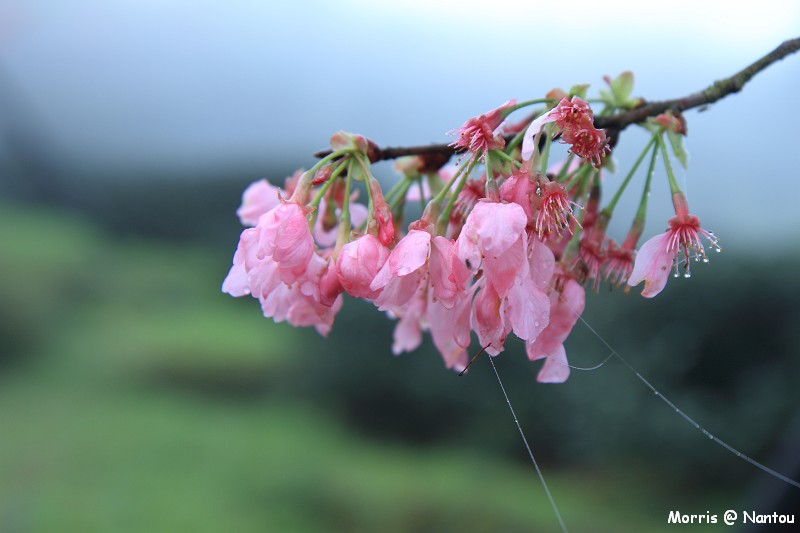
x,y
134,396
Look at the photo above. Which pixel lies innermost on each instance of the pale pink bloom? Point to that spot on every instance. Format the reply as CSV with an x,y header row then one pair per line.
x,y
283,234
680,243
494,239
525,310
488,319
258,198
412,316
450,329
482,133
535,128
416,255
300,303
400,276
566,307
358,263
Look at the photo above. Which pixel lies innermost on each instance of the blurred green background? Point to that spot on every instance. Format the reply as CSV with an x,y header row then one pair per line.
x,y
135,396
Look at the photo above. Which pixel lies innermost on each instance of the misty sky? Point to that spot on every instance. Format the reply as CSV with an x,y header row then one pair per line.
x,y
197,84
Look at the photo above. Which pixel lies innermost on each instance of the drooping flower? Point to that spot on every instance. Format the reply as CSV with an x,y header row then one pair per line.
x,y
258,198
619,262
554,210
680,244
481,133
493,240
566,306
575,120
358,263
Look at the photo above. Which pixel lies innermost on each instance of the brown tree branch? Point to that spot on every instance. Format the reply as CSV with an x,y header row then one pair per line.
x,y
616,123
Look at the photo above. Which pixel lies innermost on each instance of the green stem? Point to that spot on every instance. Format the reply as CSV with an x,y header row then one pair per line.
x,y
642,211
527,103
502,155
439,198
545,155
609,210
396,187
562,172
444,218
673,183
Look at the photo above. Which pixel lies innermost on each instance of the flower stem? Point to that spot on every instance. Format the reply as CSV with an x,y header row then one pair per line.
x,y
445,216
609,209
642,211
673,183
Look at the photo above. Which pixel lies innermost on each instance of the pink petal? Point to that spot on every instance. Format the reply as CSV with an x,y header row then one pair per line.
x,y
533,129
555,369
528,310
652,265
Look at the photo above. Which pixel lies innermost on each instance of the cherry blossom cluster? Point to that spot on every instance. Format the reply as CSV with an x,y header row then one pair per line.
x,y
505,244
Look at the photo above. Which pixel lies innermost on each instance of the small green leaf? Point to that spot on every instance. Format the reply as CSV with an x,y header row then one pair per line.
x,y
579,90
622,86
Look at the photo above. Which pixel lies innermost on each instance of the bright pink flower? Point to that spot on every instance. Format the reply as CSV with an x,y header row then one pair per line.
x,y
566,307
358,263
481,133
680,243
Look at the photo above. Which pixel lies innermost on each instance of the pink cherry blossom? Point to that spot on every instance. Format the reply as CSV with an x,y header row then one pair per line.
x,y
575,120
554,210
679,244
566,307
494,239
358,263
258,198
482,133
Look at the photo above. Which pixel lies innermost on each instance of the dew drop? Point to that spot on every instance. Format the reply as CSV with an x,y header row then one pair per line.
x,y
536,323
705,260
710,436
687,274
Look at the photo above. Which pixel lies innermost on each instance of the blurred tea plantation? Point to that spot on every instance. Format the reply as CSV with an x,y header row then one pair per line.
x,y
134,396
